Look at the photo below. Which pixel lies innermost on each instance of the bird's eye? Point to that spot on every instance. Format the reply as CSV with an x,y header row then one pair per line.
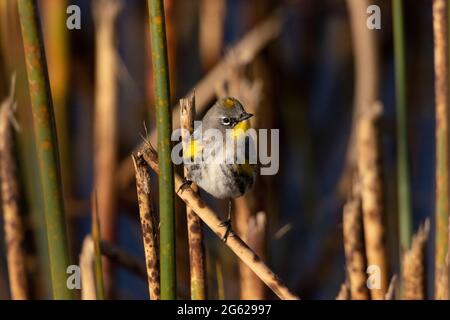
x,y
226,121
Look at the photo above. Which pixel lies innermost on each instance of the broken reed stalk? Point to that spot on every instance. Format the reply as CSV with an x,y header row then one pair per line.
x,y
123,259
47,146
414,271
148,226
441,59
194,223
164,129
105,13
369,172
96,237
252,288
344,292
240,248
12,221
88,290
355,255
390,293
403,180
241,54
365,48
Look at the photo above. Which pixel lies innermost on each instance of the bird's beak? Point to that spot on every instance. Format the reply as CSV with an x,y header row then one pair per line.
x,y
244,116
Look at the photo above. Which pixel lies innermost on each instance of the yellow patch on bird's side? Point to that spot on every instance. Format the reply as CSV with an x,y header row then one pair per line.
x,y
246,168
229,103
191,150
240,129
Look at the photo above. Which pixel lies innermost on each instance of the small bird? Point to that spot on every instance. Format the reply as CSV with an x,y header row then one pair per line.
x,y
218,177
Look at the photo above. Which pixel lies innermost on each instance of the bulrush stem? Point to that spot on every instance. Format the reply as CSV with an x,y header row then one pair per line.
x,y
403,181
355,255
365,48
369,171
414,272
442,139
252,288
12,220
105,14
194,223
240,248
47,146
164,128
148,225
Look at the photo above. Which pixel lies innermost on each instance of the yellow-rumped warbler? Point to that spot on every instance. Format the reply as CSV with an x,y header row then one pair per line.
x,y
214,164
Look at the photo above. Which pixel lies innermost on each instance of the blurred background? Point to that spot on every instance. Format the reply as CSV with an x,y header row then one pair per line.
x,y
301,79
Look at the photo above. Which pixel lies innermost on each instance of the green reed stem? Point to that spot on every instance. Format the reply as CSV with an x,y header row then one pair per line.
x,y
47,147
164,129
403,179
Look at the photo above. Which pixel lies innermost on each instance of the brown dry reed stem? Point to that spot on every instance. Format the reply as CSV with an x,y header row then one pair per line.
x,y
414,271
365,47
46,145
88,290
12,221
344,292
440,25
355,255
211,25
239,55
123,259
105,13
252,288
369,172
148,226
234,242
194,224
390,293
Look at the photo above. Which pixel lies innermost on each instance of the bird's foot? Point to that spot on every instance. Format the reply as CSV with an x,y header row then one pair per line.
x,y
227,224
184,183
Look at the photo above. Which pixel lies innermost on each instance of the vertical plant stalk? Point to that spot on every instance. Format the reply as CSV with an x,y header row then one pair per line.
x,y
369,171
440,25
105,14
220,283
403,180
211,26
164,129
194,223
355,255
47,146
148,225
414,272
96,237
12,221
56,38
252,288
234,242
365,47
88,290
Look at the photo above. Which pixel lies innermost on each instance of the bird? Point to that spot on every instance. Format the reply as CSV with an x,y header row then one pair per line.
x,y
213,173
